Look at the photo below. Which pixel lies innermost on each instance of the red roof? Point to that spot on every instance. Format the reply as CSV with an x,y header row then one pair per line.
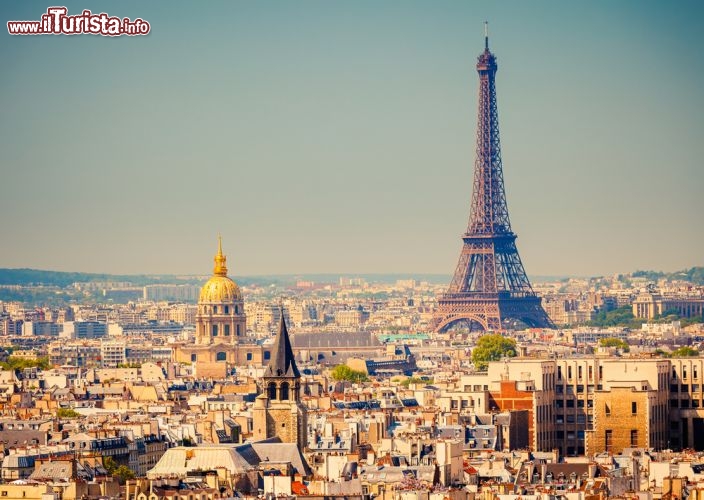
x,y
298,488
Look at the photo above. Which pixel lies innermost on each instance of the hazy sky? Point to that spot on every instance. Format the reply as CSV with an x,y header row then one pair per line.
x,y
338,136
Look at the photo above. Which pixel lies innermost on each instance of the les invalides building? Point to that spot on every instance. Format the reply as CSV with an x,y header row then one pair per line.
x,y
221,340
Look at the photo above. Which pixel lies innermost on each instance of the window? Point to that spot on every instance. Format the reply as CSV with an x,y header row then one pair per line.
x,y
580,403
271,390
634,408
569,372
695,375
284,391
221,356
559,373
193,358
249,356
238,330
570,403
215,309
267,355
608,439
227,330
607,409
215,330
634,438
227,309
579,372
237,310
590,372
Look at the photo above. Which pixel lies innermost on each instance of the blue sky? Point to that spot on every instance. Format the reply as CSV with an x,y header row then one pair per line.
x,y
338,137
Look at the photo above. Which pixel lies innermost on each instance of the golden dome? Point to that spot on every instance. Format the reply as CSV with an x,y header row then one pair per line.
x,y
220,288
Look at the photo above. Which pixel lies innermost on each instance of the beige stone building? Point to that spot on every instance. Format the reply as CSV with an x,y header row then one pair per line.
x,y
566,400
649,305
622,418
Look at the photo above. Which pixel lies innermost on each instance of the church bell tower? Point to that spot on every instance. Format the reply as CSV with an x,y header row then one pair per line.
x,y
278,410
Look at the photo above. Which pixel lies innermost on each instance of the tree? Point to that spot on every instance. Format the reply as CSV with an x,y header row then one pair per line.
x,y
415,380
67,413
684,351
614,342
344,372
121,472
623,316
492,347
18,363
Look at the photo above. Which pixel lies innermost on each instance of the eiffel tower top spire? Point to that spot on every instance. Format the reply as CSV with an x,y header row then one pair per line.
x,y
486,36
489,212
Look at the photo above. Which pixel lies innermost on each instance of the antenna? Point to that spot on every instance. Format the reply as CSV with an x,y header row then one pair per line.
x,y
486,35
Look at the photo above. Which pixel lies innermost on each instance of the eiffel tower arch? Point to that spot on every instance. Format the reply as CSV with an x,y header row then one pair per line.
x,y
490,287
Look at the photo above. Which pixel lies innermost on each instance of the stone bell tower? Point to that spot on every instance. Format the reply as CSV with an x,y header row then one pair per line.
x,y
278,410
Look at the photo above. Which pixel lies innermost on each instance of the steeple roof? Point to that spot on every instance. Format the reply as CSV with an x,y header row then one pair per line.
x,y
282,362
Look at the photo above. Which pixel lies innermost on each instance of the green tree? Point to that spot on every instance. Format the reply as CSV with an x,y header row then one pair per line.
x,y
18,363
67,413
344,372
415,380
623,316
121,472
492,347
614,342
684,351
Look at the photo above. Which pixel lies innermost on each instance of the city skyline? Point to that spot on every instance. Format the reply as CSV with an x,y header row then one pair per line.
x,y
339,138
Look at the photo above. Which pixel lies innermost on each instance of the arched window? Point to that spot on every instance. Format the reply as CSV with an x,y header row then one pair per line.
x,y
221,356
271,390
284,391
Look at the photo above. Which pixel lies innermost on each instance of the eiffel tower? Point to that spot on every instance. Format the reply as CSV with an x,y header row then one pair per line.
x,y
490,287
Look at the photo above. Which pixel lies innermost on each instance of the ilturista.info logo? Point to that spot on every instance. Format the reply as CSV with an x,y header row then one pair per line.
x,y
57,21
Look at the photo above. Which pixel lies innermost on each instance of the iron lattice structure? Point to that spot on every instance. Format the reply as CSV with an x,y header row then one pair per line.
x,y
490,285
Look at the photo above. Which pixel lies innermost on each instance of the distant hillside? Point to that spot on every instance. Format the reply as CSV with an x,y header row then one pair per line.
x,y
63,279
694,275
